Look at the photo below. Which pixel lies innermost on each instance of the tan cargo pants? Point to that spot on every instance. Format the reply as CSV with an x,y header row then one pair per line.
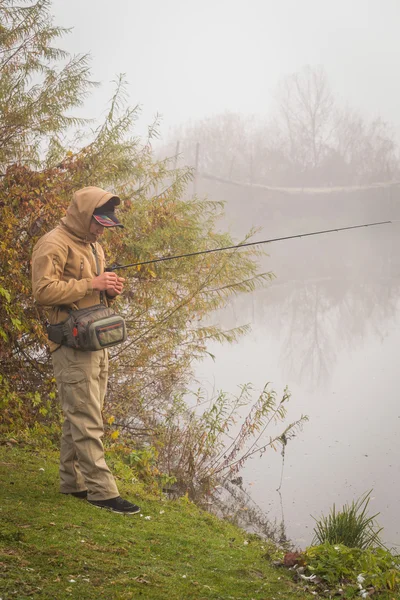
x,y
82,382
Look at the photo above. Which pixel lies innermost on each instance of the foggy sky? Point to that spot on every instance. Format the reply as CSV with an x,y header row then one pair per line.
x,y
187,59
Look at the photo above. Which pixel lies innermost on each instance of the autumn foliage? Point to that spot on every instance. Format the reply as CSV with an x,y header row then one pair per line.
x,y
166,305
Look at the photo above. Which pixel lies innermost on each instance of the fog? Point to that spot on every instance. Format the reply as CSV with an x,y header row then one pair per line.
x,y
328,327
186,59
288,154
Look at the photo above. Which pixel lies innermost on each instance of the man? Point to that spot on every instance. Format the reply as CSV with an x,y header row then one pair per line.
x,y
68,272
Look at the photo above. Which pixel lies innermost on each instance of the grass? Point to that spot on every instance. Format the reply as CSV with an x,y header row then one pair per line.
x,y
351,526
56,547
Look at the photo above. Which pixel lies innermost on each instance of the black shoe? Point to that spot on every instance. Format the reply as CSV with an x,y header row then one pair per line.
x,y
118,505
82,494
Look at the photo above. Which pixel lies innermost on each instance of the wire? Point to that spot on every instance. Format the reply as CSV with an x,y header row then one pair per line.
x,y
288,237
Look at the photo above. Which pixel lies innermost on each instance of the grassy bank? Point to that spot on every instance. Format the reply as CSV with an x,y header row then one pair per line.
x,y
52,546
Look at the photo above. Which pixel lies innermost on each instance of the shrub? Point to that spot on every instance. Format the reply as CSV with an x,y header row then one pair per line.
x,y
42,162
358,569
202,447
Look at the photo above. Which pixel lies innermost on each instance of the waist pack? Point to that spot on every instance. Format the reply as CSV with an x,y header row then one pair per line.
x,y
88,329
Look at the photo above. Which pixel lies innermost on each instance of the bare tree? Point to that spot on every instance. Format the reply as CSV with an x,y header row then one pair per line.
x,y
309,141
306,112
225,144
368,148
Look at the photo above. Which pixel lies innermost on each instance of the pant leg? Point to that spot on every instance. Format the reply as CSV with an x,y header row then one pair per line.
x,y
71,479
103,378
82,380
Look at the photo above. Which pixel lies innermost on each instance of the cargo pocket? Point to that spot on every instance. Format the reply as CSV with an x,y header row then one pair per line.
x,y
74,389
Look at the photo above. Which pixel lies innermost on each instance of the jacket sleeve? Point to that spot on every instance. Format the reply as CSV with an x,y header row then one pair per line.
x,y
49,289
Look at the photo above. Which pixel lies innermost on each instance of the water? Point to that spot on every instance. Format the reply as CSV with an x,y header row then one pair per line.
x,y
328,327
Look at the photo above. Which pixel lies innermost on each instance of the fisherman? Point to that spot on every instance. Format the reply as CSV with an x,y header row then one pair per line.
x,y
68,273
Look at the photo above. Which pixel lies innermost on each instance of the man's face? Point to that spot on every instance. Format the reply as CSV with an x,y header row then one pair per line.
x,y
96,229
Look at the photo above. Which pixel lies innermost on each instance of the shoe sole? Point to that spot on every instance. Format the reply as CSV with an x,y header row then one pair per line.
x,y
118,512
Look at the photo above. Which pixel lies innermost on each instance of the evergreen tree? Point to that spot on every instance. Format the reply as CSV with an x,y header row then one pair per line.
x,y
167,307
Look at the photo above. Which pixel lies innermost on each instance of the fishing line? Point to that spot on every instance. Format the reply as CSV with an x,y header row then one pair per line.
x,y
288,237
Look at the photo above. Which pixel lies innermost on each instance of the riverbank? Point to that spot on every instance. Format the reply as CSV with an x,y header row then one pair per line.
x,y
55,547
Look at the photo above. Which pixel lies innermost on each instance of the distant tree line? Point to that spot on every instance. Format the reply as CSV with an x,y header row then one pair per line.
x,y
309,140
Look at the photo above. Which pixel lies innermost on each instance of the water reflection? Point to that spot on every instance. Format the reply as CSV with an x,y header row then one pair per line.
x,y
329,327
331,304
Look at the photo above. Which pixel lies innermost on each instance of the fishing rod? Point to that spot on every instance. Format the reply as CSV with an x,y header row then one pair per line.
x,y
279,239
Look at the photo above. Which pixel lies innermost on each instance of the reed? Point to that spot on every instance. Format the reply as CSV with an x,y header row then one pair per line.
x,y
351,526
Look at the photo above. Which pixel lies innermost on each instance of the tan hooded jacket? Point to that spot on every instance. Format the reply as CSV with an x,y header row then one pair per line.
x,y
64,261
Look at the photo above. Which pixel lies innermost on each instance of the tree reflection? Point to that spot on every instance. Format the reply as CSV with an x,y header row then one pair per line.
x,y
324,303
324,318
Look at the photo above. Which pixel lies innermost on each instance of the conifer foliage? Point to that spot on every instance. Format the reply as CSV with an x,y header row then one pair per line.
x,y
39,83
167,307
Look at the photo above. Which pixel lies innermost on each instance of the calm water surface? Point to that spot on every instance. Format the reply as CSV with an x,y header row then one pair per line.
x,y
328,327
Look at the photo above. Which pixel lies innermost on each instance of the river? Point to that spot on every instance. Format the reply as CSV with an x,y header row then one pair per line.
x,y
328,327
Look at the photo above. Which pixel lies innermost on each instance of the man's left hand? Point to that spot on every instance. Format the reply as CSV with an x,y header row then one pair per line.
x,y
116,288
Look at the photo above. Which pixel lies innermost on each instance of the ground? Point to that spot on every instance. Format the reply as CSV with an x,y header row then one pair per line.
x,y
55,547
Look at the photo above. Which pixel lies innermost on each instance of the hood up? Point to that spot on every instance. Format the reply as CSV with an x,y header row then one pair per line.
x,y
80,211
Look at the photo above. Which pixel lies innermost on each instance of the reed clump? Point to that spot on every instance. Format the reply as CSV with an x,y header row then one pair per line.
x,y
351,526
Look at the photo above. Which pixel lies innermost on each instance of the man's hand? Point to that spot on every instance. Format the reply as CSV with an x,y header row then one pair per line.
x,y
109,282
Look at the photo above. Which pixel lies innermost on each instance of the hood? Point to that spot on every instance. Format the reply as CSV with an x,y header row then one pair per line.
x,y
80,211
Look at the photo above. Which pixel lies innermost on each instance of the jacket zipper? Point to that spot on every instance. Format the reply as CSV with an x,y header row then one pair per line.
x,y
81,270
98,272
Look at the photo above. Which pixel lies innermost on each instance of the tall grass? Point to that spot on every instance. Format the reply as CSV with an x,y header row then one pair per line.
x,y
351,526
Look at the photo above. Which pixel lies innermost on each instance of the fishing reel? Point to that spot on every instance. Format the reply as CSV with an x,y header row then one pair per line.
x,y
112,268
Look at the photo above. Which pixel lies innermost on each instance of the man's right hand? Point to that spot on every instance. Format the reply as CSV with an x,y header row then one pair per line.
x,y
108,282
